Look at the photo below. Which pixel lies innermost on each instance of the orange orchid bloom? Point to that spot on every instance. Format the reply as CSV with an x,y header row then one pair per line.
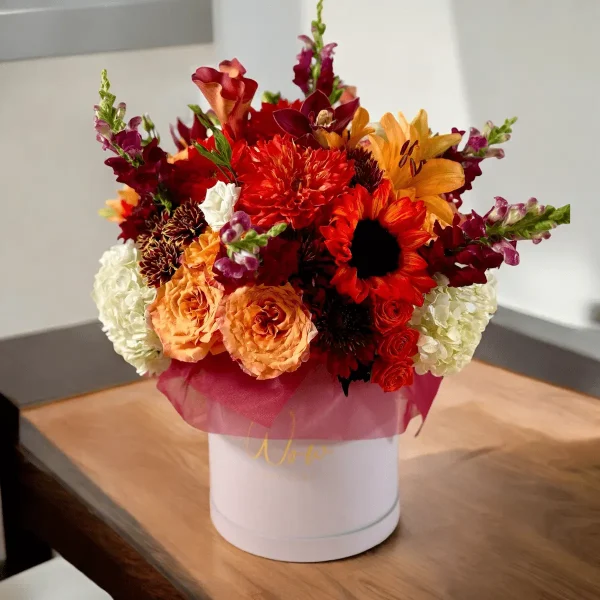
x,y
407,153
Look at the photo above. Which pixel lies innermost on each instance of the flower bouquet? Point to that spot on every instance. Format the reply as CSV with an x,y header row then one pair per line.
x,y
301,278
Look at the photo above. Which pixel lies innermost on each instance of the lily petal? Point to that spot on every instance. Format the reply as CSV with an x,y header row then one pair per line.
x,y
360,127
438,176
421,125
439,207
438,144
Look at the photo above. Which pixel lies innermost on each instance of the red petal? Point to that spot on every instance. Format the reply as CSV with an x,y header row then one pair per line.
x,y
344,114
292,121
315,103
403,215
413,239
412,262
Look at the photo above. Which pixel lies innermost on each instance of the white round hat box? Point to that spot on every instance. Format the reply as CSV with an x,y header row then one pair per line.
x,y
304,500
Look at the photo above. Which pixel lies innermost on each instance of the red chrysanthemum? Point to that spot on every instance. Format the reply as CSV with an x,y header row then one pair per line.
x,y
374,240
283,181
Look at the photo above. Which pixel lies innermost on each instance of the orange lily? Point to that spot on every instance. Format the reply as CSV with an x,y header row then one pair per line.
x,y
407,154
359,129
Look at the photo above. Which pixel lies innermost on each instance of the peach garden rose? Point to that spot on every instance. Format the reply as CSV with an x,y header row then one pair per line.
x,y
184,315
267,329
201,253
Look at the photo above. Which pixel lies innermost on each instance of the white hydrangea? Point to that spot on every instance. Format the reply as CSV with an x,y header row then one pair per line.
x,y
451,322
122,298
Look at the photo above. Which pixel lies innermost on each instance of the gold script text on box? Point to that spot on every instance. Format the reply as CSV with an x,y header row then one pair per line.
x,y
290,454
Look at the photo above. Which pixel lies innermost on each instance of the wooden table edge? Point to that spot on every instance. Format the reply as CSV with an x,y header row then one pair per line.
x,y
54,505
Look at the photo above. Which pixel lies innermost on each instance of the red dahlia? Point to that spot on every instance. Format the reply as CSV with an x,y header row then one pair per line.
x,y
283,180
374,240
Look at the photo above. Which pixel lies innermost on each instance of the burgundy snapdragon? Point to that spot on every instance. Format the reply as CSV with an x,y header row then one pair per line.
x,y
302,70
128,140
152,167
238,262
458,256
477,148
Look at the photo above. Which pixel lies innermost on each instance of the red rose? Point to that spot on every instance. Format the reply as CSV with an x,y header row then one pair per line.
x,y
391,376
399,344
391,314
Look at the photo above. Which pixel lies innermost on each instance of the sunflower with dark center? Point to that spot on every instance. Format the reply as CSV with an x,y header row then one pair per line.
x,y
374,239
345,336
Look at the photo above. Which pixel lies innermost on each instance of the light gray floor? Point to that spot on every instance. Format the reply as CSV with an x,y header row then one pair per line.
x,y
53,580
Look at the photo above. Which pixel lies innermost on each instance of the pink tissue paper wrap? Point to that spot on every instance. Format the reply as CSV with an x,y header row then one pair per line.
x,y
216,396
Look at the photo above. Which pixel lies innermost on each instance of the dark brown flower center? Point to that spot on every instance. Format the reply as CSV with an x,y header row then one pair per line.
x,y
375,251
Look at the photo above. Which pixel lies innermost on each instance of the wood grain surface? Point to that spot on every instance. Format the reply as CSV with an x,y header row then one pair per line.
x,y
500,496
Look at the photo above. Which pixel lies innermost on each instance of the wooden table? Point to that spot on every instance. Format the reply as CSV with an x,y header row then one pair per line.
x,y
500,500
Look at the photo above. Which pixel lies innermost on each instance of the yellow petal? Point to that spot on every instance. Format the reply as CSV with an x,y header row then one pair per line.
x,y
439,207
421,125
438,176
359,128
360,120
377,148
405,127
395,135
438,144
409,193
329,139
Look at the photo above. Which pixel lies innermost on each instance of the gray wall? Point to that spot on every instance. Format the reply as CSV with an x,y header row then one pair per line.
x,y
53,179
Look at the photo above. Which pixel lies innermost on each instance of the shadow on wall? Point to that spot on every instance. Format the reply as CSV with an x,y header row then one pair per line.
x,y
539,60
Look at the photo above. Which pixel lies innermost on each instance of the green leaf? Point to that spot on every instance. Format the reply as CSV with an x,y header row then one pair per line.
x,y
214,158
150,128
271,97
251,235
277,230
222,146
201,115
162,199
336,94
